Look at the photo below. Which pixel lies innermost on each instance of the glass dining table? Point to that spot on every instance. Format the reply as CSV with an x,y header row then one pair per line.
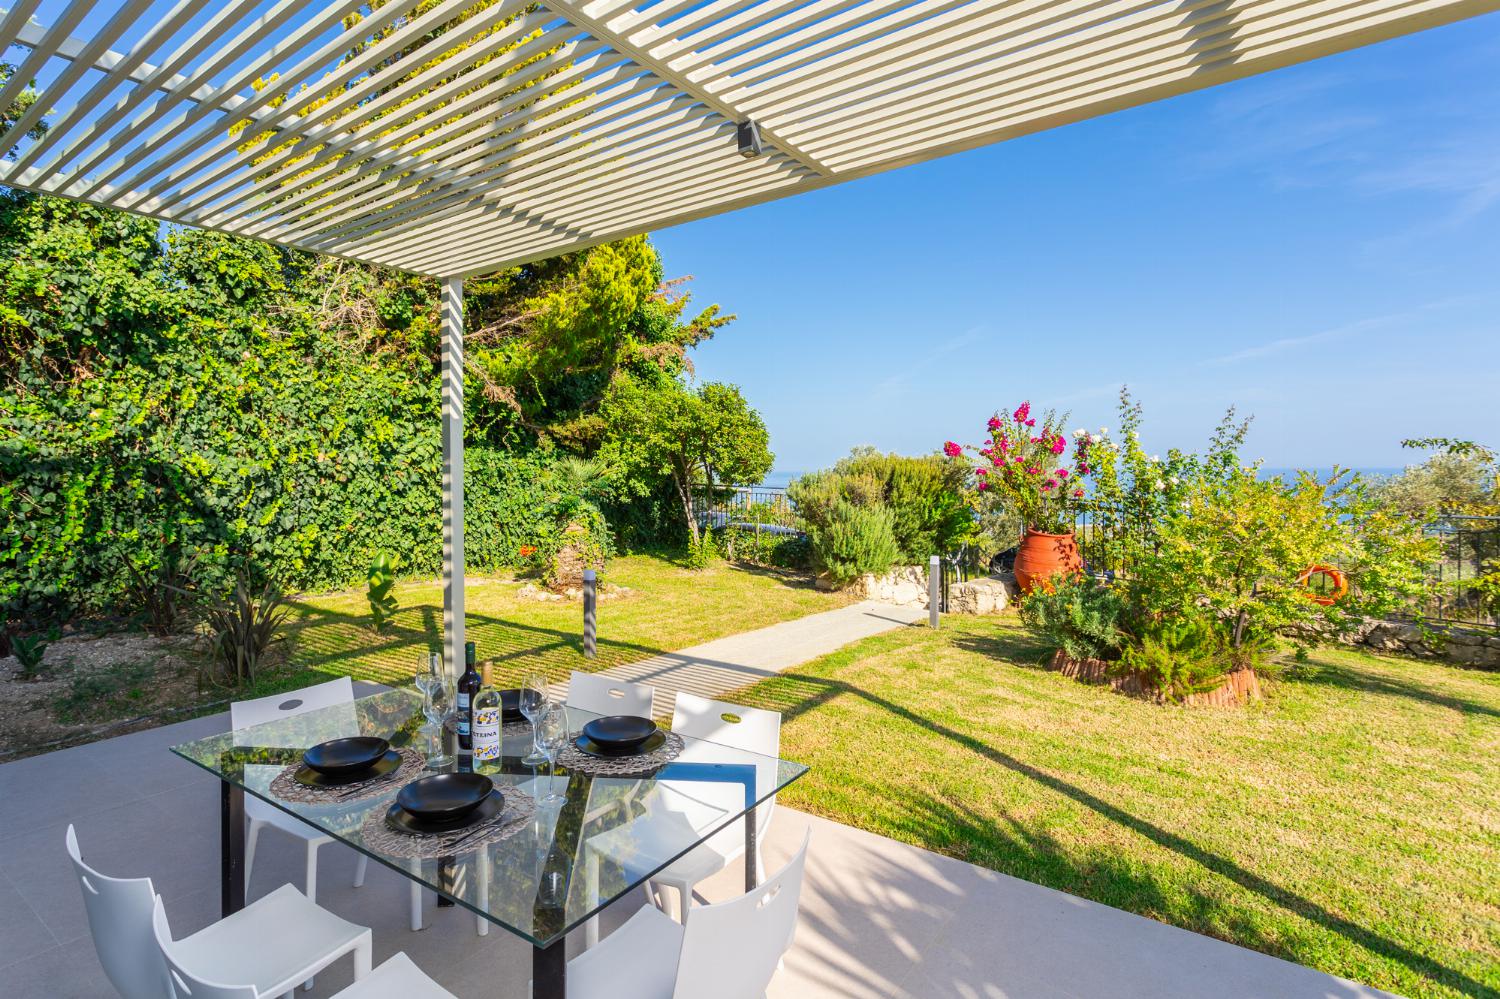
x,y
573,841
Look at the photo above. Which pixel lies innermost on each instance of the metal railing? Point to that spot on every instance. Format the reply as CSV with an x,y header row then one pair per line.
x,y
757,508
1469,546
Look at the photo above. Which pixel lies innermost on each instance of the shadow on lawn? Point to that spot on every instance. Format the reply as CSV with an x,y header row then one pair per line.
x,y
796,694
1326,673
324,638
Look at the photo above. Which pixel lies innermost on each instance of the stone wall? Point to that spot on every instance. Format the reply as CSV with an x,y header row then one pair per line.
x,y
1456,645
907,587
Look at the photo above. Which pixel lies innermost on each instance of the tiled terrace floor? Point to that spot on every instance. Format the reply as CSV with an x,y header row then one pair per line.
x,y
879,918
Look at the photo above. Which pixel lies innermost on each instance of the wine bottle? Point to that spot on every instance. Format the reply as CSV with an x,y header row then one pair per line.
x,y
468,687
486,729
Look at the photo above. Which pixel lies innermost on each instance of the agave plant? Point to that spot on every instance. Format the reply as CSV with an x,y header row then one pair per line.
x,y
242,625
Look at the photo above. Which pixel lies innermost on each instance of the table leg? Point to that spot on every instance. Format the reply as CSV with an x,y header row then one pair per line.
x,y
751,881
549,970
231,848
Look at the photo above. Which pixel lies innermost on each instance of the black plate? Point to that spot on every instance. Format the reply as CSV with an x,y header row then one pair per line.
x,y
510,704
387,763
651,745
341,757
399,818
620,734
444,797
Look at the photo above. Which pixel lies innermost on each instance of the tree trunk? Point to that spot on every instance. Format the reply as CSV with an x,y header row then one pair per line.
x,y
685,493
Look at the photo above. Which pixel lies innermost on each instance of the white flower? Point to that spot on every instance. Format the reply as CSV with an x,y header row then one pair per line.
x,y
1161,485
1174,480
1103,431
1080,432
1155,459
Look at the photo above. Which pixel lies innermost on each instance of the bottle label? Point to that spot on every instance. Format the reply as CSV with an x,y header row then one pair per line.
x,y
463,714
487,733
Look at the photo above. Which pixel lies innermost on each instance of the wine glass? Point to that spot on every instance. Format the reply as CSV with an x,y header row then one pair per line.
x,y
551,736
533,703
437,703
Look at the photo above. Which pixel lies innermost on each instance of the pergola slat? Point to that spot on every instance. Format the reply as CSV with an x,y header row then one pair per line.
x,y
463,137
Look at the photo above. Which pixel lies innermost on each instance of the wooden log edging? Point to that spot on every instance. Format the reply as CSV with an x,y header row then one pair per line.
x,y
1239,687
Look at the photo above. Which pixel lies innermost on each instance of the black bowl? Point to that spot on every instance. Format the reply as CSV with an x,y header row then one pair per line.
x,y
619,733
445,797
341,757
510,704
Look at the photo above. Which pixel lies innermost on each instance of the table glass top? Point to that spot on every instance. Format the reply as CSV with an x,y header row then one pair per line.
x,y
604,837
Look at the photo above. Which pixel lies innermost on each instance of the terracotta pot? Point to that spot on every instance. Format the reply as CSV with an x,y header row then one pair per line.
x,y
1043,556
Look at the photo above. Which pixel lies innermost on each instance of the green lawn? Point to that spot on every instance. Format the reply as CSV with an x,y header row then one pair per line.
x,y
666,608
1350,821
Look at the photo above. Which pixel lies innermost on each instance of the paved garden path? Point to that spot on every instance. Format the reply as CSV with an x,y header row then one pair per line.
x,y
715,668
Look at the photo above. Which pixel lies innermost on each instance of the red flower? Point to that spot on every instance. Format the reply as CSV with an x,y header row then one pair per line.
x,y
952,450
1022,411
983,486
526,551
1078,493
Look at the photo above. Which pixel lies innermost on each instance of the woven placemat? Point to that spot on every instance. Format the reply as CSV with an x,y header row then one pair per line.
x,y
377,835
286,786
577,760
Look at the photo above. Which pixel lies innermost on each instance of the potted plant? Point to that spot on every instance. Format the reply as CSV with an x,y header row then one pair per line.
x,y
1030,467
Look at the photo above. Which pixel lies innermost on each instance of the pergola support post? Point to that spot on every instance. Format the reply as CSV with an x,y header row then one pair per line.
x,y
453,474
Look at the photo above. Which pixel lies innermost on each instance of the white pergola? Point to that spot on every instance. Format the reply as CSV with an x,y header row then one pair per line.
x,y
453,138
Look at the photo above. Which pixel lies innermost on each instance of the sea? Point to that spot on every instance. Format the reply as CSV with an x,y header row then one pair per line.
x,y
779,478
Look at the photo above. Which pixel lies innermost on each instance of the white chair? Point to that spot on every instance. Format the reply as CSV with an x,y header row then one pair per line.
x,y
292,940
604,696
338,694
282,938
749,729
730,950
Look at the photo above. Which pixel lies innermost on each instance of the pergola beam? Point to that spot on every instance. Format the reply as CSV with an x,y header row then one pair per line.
x,y
461,138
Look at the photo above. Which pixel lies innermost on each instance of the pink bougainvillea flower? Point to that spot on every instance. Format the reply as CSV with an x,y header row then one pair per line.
x,y
1033,470
952,450
1083,469
1031,423
981,471
1059,445
983,486
1049,484
1078,492
994,423
1062,473
1022,411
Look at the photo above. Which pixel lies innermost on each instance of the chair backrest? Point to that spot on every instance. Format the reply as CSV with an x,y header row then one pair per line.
x,y
244,714
753,730
185,984
604,696
119,911
730,949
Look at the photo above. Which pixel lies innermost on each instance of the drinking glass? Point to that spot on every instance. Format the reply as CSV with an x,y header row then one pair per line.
x,y
533,703
437,703
551,736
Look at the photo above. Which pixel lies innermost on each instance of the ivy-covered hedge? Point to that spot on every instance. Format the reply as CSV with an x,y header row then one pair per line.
x,y
161,403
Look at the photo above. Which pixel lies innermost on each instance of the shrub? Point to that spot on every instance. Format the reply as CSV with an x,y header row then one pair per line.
x,y
1179,656
924,495
1082,615
242,626
701,551
379,583
854,541
747,545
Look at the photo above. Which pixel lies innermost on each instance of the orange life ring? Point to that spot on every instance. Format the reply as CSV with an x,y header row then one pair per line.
x,y
1337,581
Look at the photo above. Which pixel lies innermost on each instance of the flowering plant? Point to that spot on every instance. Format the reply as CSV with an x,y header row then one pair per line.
x,y
1033,469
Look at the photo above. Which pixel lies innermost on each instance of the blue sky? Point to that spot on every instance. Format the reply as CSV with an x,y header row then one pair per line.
x,y
1318,246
